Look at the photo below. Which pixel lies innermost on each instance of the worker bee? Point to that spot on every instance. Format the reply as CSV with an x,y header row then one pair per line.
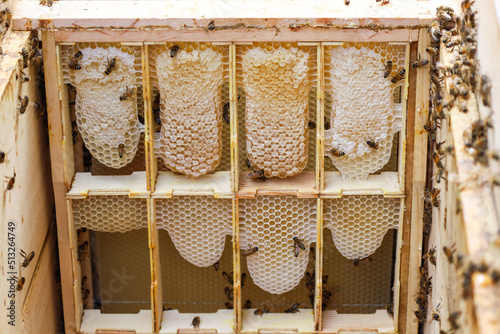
x,y
432,196
121,150
435,315
249,165
211,25
327,124
495,276
485,90
390,309
420,315
156,109
250,251
259,174
400,75
384,2
432,51
35,43
216,266
293,309
229,305
298,244
196,322
173,50
127,94
20,283
23,103
10,181
452,319
40,110
439,164
24,53
419,63
311,125
372,143
431,256
357,261
336,152
228,277
2,157
261,311
347,2
73,62
47,3
226,112
82,251
85,293
449,253
229,293
111,64
243,279
24,77
27,258
248,305
388,68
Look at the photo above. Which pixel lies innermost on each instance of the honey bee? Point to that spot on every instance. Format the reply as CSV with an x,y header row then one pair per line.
x,y
485,90
298,244
243,279
23,103
121,150
400,75
435,315
20,283
261,311
324,279
388,68
40,110
432,51
156,109
111,64
248,305
173,50
259,174
229,305
229,293
25,55
293,309
11,181
249,165
336,152
449,252
419,63
81,231
211,25
431,256
327,124
420,315
216,266
347,2
311,125
27,258
357,261
127,94
250,251
439,164
325,298
372,143
226,112
73,62
24,77
432,196
452,319
47,3
196,322
82,251
390,309
228,277
2,157
85,294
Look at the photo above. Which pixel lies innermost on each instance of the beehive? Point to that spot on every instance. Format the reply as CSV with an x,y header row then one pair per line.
x,y
203,206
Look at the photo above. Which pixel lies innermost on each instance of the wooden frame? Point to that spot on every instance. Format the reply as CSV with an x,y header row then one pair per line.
x,y
62,181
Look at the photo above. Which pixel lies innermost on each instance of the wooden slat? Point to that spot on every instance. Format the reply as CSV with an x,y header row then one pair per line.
x,y
233,110
57,164
320,113
318,311
151,169
415,174
156,281
379,322
302,185
237,266
191,15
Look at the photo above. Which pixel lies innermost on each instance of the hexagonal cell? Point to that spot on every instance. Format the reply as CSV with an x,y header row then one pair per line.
x,y
342,219
362,108
274,268
103,100
275,82
110,213
197,225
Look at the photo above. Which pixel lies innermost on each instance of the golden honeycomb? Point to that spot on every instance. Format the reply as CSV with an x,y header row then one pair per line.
x,y
359,222
362,106
276,79
190,86
270,223
197,225
110,213
106,123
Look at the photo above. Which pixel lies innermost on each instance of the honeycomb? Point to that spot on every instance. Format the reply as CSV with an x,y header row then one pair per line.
x,y
190,86
105,122
270,223
276,79
110,213
197,226
362,105
359,223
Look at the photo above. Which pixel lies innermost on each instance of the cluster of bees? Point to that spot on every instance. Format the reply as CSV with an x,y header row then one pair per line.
x,y
28,257
431,200
326,295
82,252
